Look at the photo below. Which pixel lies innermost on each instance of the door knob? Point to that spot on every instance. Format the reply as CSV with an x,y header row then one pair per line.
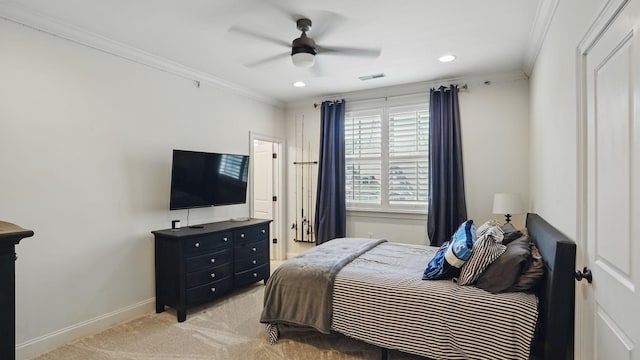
x,y
584,274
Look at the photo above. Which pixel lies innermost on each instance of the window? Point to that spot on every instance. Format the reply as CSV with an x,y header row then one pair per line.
x,y
387,158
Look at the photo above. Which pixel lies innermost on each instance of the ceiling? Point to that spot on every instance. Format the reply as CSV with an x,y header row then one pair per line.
x,y
193,38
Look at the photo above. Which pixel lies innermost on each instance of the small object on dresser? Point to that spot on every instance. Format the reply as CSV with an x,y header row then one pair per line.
x,y
175,225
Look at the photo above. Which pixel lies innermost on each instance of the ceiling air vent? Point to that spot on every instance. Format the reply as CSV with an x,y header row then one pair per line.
x,y
369,77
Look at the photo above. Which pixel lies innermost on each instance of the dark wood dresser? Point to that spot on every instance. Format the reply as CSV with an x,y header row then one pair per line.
x,y
195,265
10,236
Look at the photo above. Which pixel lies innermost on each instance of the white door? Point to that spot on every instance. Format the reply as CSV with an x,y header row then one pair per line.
x,y
265,180
611,312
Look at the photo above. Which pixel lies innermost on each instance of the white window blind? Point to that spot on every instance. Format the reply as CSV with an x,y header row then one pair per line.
x,y
387,158
408,156
363,151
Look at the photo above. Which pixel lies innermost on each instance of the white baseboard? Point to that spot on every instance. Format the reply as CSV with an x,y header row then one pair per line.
x,y
45,343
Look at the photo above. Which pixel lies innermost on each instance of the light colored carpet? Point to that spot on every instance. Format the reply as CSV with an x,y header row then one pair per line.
x,y
227,328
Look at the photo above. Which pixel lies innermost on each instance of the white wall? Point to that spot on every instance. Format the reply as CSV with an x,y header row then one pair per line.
x,y
295,115
85,148
553,128
494,121
495,144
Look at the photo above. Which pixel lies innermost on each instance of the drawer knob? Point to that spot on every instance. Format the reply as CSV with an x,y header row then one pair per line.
x,y
213,260
264,231
253,249
197,244
213,290
254,262
213,275
225,239
242,235
255,274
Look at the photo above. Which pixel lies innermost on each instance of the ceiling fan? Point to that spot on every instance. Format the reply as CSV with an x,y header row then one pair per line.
x,y
303,50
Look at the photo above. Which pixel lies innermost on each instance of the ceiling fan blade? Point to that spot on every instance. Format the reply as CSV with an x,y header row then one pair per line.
x,y
267,60
324,23
253,34
339,50
274,6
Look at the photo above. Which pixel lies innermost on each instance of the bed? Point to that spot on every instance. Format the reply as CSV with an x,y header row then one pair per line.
x,y
371,290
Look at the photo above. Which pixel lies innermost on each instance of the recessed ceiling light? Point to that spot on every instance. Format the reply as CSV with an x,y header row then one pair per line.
x,y
446,58
299,84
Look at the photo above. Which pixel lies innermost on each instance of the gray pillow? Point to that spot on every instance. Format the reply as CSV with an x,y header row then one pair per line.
x,y
532,274
508,227
510,233
506,269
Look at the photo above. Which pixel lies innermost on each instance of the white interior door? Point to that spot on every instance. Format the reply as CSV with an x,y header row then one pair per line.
x,y
611,312
263,180
266,186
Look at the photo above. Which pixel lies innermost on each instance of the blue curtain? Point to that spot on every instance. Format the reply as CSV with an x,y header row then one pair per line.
x,y
331,209
447,205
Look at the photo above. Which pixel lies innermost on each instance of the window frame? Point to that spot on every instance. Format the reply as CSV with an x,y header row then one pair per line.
x,y
386,106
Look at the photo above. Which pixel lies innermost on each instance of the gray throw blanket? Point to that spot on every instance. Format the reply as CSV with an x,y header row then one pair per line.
x,y
299,291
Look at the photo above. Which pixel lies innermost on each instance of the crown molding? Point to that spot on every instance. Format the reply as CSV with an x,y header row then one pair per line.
x,y
544,15
420,88
11,11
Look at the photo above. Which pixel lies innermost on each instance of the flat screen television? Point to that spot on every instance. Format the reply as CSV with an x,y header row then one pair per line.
x,y
200,179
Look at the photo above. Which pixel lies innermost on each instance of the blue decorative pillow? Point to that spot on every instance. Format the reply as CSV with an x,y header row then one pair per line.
x,y
452,254
437,266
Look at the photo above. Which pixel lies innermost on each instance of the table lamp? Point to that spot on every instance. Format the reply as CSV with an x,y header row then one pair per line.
x,y
507,204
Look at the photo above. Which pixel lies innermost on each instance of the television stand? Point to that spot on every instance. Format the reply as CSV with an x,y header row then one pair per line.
x,y
195,266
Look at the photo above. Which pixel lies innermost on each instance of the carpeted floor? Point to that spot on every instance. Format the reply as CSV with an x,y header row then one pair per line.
x,y
227,328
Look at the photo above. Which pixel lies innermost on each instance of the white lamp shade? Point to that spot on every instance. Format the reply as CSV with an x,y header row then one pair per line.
x,y
504,203
303,59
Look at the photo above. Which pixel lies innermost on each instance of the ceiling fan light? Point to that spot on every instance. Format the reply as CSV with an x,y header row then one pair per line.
x,y
447,58
303,59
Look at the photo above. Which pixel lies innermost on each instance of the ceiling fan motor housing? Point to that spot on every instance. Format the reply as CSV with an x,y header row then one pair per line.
x,y
303,44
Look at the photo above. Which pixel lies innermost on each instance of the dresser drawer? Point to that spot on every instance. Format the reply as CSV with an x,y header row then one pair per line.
x,y
209,291
203,244
251,276
254,233
208,261
250,262
206,276
251,249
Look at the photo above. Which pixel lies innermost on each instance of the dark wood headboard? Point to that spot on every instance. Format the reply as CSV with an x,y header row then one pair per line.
x,y
555,332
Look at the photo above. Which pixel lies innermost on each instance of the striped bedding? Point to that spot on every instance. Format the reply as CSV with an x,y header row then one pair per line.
x,y
380,298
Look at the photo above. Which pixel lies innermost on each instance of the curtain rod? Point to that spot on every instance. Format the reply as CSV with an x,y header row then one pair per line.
x,y
462,88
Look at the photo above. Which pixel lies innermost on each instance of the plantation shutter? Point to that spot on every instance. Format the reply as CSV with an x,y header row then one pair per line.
x,y
408,156
363,157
